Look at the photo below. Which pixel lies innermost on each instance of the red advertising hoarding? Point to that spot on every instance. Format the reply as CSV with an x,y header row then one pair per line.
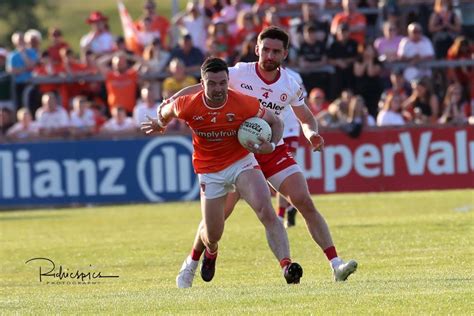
x,y
392,159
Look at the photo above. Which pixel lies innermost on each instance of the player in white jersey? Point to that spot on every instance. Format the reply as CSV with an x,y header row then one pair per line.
x,y
291,135
276,90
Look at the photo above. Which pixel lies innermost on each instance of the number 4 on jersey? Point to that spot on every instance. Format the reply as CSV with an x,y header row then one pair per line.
x,y
213,120
265,95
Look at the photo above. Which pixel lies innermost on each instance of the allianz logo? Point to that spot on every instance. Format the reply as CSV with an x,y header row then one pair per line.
x,y
163,169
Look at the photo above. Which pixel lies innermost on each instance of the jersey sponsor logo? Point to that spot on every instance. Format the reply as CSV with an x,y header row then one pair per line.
x,y
272,105
215,136
198,118
246,86
283,97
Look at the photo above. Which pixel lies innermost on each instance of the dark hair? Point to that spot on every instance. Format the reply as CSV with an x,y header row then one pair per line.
x,y
274,32
213,64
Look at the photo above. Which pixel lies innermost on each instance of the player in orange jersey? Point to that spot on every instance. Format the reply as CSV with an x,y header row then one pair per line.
x,y
214,115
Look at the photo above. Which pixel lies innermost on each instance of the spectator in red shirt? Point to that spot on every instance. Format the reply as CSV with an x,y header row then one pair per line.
x,y
47,68
248,25
355,20
158,23
317,101
121,81
57,42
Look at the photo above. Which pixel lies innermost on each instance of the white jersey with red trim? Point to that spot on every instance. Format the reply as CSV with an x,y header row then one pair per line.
x,y
276,95
292,125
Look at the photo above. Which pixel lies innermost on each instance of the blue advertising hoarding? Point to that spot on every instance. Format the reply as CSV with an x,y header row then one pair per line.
x,y
97,171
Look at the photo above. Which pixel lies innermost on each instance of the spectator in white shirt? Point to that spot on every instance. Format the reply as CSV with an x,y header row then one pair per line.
x,y
415,48
391,113
99,40
119,123
53,120
82,117
146,106
25,127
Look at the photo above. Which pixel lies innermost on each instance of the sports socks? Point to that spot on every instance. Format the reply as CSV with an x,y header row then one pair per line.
x,y
196,254
284,262
281,212
330,253
210,255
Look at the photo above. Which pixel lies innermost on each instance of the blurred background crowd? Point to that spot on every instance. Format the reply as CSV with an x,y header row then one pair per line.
x,y
363,62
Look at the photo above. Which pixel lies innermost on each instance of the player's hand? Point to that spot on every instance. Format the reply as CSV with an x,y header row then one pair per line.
x,y
265,147
151,126
317,142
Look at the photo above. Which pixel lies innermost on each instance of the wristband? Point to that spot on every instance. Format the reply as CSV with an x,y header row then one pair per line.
x,y
159,118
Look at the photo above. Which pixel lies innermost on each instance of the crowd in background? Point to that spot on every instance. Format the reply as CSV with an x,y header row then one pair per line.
x,y
362,83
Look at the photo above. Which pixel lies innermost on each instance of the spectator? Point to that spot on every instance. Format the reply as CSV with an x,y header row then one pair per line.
x,y
269,8
33,40
312,56
223,41
99,116
367,70
189,54
57,42
20,63
387,46
456,109
155,61
444,25
422,104
311,14
227,15
247,51
462,50
6,120
25,126
391,112
272,18
248,26
53,120
178,79
147,35
119,123
121,46
146,106
335,116
317,101
47,69
415,48
120,80
193,22
158,23
342,54
398,86
358,118
99,40
82,117
5,82
355,21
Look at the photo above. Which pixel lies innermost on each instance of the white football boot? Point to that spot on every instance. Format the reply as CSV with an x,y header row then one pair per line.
x,y
186,274
344,269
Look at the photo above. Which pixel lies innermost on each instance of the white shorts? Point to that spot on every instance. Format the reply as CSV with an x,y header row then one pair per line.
x,y
217,184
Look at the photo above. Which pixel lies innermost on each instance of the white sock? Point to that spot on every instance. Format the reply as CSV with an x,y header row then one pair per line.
x,y
335,262
191,262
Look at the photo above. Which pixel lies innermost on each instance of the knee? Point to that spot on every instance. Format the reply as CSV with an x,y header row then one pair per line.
x,y
266,214
303,203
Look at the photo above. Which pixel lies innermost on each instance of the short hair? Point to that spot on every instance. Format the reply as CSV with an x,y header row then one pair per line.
x,y
275,32
213,64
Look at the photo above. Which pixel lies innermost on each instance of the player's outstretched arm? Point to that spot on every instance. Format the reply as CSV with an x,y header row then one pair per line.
x,y
164,114
309,125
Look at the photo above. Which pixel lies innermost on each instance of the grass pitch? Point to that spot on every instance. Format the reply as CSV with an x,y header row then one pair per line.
x,y
415,255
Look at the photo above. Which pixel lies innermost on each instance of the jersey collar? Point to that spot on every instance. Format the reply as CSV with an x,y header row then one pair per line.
x,y
257,70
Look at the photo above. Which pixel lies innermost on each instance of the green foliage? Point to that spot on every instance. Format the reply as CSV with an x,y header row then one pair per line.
x,y
21,16
414,251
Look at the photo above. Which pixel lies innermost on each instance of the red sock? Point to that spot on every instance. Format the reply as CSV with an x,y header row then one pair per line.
x,y
210,255
330,252
281,212
284,262
196,254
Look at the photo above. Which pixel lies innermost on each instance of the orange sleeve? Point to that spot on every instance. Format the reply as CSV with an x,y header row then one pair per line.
x,y
179,107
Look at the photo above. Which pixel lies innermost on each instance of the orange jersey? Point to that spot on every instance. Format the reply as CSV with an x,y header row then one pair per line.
x,y
121,89
353,19
215,129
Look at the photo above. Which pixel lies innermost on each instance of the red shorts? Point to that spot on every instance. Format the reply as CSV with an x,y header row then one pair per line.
x,y
292,143
275,162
